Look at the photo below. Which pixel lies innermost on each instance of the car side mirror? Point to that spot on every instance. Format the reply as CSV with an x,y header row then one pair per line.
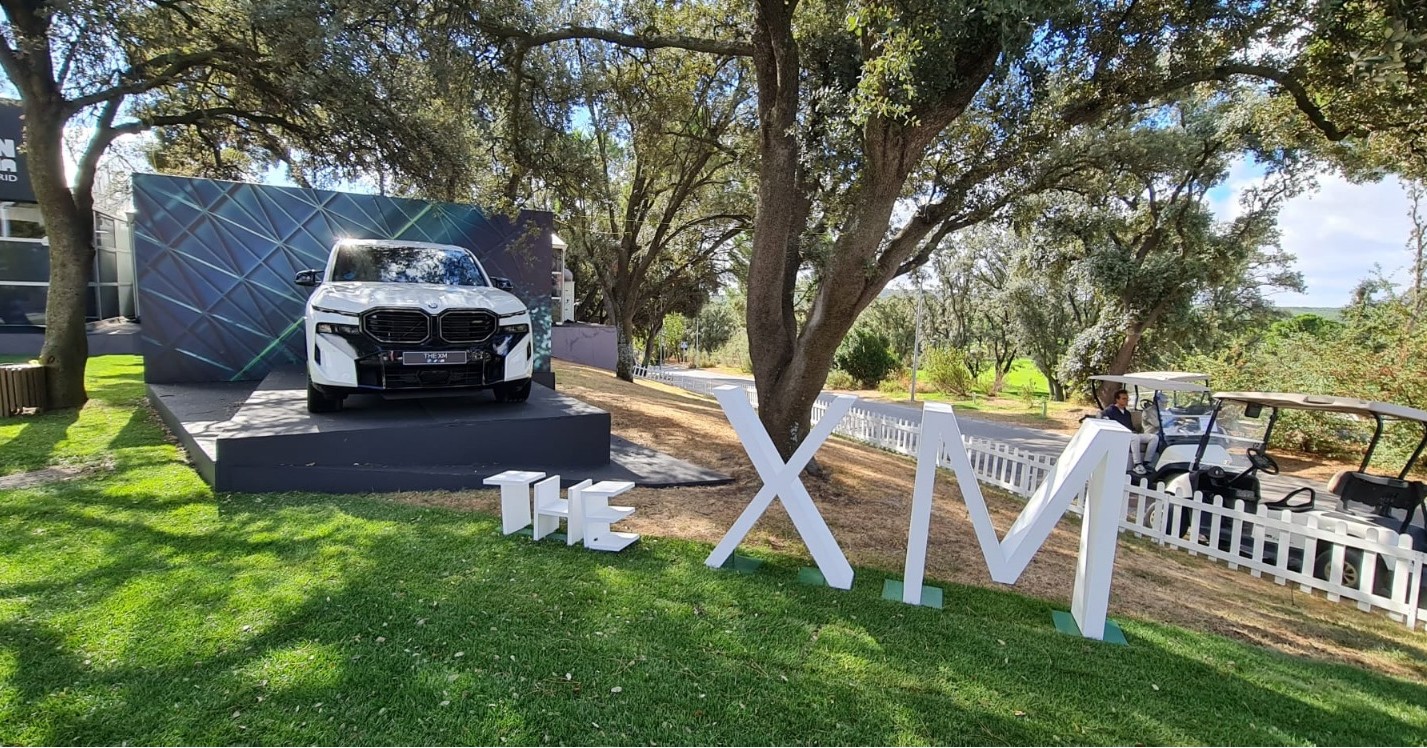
x,y
308,277
503,284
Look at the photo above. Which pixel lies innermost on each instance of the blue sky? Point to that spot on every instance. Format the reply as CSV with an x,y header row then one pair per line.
x,y
1337,232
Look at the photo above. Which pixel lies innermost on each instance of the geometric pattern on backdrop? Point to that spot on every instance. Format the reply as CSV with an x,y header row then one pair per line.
x,y
215,262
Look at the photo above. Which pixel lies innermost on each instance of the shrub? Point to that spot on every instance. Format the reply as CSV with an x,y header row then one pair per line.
x,y
837,379
946,369
734,353
867,357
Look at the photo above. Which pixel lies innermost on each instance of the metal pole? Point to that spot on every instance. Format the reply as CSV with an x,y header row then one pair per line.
x,y
917,336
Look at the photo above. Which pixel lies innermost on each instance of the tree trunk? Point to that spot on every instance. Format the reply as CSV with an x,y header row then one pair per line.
x,y
1120,364
998,382
1057,390
623,319
69,223
624,367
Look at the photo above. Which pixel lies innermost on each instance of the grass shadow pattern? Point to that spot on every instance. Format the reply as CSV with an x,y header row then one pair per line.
x,y
136,606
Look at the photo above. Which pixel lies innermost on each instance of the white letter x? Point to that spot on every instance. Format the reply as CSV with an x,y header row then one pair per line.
x,y
781,481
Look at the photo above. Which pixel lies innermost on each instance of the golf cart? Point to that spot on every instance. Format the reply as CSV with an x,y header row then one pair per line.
x,y
1232,457
1174,405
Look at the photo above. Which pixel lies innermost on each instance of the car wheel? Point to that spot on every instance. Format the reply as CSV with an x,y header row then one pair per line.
x,y
1353,570
513,392
321,402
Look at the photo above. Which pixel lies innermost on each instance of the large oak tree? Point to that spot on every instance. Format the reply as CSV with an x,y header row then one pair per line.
x,y
884,128
280,78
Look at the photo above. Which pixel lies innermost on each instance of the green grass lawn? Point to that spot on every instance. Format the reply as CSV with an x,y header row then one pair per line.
x,y
137,606
1023,375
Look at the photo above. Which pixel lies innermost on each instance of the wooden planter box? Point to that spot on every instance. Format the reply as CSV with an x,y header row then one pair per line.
x,y
22,386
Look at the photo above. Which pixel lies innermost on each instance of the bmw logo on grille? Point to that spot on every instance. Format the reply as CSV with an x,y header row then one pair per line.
x,y
431,305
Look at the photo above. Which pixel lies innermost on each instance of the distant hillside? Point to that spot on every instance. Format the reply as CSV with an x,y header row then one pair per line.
x,y
1326,312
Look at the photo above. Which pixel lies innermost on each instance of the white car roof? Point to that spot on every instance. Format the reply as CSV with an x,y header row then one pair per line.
x,y
1326,403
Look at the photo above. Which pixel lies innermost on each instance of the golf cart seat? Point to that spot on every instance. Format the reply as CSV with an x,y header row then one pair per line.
x,y
1380,492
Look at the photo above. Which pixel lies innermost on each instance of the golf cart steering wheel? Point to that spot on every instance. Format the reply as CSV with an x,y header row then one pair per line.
x,y
1261,461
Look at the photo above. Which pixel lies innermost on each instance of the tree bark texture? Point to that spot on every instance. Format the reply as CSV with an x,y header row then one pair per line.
x,y
69,224
791,362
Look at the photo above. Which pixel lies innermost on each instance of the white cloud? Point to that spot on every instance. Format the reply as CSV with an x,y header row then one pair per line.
x,y
1337,232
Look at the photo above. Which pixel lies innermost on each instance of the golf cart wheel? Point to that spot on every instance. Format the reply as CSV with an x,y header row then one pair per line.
x,y
1353,570
513,392
319,401
1155,515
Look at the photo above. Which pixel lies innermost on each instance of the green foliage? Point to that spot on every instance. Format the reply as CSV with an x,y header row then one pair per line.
x,y
946,369
893,316
865,356
1305,324
837,379
1026,393
716,326
1378,352
673,332
734,353
898,386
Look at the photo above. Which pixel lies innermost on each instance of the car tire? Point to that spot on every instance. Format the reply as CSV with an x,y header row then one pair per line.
x,y
517,391
319,401
1352,570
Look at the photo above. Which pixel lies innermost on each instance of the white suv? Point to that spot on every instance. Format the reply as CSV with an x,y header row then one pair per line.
x,y
399,316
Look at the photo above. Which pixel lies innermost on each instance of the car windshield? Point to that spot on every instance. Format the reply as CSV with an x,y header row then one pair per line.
x,y
1238,427
370,263
1188,403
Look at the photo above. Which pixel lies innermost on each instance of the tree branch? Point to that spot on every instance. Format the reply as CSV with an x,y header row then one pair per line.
x,y
568,33
177,64
1089,110
199,115
104,134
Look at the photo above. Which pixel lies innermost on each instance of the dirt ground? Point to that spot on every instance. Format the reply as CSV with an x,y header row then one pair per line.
x,y
866,501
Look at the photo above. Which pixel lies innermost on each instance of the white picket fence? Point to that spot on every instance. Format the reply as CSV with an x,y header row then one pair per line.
x,y
1278,543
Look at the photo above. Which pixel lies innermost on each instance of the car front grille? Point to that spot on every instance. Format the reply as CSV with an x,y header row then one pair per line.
x,y
467,326
481,374
397,325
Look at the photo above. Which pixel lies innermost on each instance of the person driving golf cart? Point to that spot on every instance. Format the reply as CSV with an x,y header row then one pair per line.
x,y
1172,413
1143,445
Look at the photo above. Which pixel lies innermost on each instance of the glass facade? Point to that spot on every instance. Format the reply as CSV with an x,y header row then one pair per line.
x,y
25,267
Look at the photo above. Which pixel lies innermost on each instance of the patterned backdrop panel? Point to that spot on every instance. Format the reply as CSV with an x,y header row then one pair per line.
x,y
216,262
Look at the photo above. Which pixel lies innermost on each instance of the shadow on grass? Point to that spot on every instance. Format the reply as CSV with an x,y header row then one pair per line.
x,y
301,619
138,607
35,442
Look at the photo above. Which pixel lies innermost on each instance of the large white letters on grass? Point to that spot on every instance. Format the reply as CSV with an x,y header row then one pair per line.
x,y
1092,461
780,480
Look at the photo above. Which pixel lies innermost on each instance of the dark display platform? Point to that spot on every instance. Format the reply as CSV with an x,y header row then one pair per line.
x,y
257,439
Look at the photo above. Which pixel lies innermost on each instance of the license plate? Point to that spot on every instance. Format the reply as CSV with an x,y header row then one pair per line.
x,y
430,358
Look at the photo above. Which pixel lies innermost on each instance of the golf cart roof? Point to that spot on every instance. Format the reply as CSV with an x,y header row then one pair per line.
x,y
1182,376
1150,381
1326,403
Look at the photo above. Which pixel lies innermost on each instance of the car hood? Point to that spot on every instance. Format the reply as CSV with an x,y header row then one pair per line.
x,y
359,297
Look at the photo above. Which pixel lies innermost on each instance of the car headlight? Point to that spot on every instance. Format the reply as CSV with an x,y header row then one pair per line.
x,y
334,328
520,328
337,312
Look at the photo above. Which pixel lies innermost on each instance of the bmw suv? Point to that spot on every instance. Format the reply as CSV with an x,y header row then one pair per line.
x,y
412,317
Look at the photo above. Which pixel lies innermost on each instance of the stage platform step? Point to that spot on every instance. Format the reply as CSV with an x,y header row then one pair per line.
x,y
259,437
